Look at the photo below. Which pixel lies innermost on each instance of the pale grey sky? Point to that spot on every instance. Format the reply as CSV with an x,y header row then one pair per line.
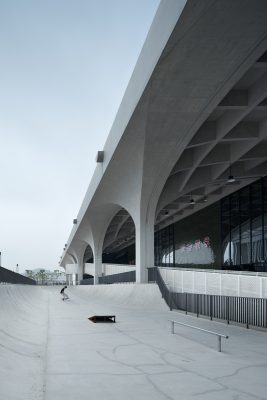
x,y
65,65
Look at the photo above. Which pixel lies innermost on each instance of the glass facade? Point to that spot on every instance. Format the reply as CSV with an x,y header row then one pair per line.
x,y
164,243
191,242
243,228
229,234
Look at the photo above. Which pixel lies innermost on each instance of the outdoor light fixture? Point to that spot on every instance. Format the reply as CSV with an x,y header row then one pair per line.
x,y
100,157
75,221
205,199
192,201
231,179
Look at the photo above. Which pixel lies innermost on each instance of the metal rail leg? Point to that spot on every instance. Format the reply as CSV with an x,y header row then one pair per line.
x,y
219,343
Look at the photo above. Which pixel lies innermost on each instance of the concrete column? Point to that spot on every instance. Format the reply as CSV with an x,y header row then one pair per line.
x,y
97,265
80,271
144,250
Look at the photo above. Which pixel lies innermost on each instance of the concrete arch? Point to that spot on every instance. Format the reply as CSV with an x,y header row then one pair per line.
x,y
119,235
75,256
88,263
93,230
88,254
189,120
72,257
69,259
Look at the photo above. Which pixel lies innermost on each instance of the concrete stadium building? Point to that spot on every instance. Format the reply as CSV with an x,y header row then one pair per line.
x,y
178,198
181,181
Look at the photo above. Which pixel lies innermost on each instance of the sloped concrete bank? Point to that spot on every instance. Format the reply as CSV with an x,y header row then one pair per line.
x,y
146,296
49,350
23,334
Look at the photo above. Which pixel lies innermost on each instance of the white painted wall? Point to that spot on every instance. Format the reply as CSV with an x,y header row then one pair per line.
x,y
223,283
89,268
109,269
72,269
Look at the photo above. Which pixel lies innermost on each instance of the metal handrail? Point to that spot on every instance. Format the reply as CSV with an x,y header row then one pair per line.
x,y
245,310
219,335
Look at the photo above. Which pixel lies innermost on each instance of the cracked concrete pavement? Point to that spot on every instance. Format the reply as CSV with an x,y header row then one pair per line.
x,y
50,350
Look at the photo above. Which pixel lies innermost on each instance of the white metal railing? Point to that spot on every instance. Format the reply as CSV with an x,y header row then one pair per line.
x,y
219,335
223,283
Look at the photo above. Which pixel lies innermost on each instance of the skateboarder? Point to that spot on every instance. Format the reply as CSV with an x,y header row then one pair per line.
x,y
64,295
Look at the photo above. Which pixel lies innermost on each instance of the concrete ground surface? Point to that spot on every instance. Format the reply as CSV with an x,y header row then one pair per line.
x,y
50,350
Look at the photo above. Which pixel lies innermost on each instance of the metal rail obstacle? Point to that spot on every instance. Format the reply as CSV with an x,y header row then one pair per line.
x,y
219,335
244,310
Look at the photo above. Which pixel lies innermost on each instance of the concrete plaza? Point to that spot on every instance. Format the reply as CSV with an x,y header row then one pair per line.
x,y
50,350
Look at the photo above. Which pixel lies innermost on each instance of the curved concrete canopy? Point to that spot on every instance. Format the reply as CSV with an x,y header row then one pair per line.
x,y
121,232
185,119
232,141
88,254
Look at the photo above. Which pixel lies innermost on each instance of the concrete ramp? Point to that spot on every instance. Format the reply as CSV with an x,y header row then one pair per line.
x,y
144,296
23,330
49,350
